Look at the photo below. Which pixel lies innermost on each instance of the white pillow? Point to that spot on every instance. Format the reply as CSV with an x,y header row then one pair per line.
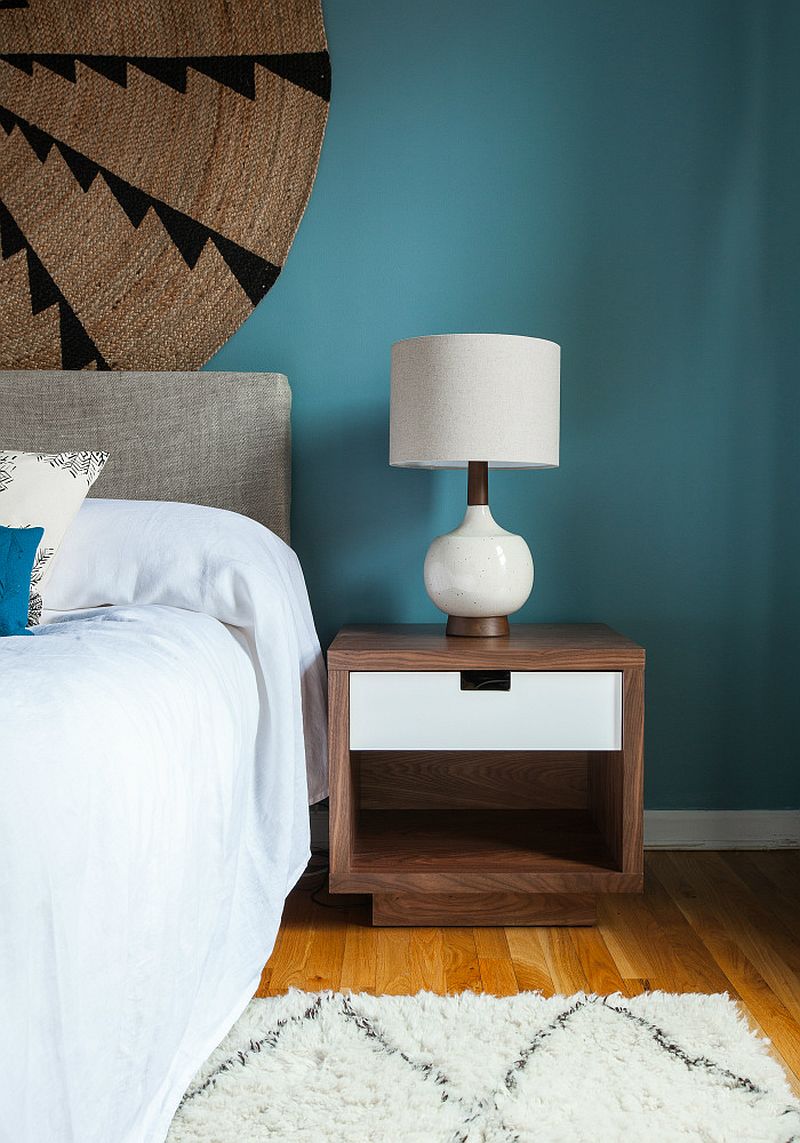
x,y
40,489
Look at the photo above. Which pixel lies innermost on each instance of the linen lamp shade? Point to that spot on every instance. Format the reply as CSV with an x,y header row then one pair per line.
x,y
474,397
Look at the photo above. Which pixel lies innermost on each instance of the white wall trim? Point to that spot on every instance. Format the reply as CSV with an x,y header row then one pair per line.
x,y
722,829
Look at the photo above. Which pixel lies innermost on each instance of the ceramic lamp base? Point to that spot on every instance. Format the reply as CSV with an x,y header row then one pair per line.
x,y
478,574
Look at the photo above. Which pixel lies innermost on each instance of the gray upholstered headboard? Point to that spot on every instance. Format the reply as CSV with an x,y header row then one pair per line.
x,y
222,439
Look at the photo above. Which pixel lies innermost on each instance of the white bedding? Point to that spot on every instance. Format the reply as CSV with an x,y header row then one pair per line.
x,y
155,782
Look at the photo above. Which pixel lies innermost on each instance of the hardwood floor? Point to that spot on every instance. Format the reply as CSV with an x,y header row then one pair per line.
x,y
708,922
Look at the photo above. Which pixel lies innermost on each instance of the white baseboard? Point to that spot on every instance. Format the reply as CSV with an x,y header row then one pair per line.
x,y
722,829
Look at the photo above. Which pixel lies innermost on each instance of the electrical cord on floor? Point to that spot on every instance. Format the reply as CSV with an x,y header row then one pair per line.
x,y
329,904
321,870
321,857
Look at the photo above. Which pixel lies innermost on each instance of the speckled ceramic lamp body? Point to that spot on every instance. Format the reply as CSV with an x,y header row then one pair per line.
x,y
479,569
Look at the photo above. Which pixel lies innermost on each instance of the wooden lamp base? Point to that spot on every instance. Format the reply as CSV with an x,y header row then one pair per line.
x,y
477,626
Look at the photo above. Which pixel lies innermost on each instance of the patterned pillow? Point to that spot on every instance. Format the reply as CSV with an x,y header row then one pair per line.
x,y
45,490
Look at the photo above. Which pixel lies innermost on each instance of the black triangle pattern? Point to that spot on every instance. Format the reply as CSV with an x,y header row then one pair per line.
x,y
40,142
61,65
236,72
77,348
168,70
44,291
12,240
256,275
251,272
83,169
114,68
309,70
134,202
184,232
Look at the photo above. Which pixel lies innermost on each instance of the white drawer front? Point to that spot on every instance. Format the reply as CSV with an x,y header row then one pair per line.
x,y
543,710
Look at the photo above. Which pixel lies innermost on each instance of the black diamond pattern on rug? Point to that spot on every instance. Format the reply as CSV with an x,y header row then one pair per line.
x,y
482,1114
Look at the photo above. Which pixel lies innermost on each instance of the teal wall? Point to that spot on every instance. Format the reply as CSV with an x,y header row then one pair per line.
x,y
619,176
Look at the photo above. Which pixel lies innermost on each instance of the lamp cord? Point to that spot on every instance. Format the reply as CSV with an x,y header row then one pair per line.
x,y
321,870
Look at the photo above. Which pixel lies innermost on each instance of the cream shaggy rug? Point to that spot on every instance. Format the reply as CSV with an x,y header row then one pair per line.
x,y
330,1068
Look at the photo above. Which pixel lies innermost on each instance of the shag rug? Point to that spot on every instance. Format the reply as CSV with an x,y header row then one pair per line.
x,y
480,1069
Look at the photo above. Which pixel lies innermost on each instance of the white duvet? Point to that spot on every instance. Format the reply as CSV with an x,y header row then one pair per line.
x,y
156,762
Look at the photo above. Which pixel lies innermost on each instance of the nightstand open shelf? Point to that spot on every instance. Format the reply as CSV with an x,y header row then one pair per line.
x,y
520,848
526,835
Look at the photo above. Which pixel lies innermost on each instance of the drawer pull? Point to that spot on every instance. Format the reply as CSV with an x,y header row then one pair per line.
x,y
486,680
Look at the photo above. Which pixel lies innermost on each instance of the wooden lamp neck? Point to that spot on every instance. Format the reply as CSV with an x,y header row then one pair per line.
x,y
478,482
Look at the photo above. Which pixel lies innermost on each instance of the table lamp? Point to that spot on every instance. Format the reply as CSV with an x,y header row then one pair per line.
x,y
476,401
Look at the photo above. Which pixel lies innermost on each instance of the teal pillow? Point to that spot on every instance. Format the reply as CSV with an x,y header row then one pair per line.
x,y
17,553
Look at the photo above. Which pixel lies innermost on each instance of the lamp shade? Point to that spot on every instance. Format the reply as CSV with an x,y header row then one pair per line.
x,y
474,396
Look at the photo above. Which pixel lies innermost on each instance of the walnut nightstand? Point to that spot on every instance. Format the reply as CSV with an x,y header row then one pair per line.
x,y
486,781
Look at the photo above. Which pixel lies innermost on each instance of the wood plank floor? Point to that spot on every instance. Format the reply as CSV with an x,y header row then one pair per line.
x,y
708,922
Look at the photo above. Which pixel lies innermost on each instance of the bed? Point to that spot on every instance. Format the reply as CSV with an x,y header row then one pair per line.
x,y
162,735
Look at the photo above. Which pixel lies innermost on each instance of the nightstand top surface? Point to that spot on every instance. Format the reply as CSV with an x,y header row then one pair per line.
x,y
529,646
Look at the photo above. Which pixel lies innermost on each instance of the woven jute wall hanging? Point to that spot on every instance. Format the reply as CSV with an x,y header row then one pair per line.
x,y
156,157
